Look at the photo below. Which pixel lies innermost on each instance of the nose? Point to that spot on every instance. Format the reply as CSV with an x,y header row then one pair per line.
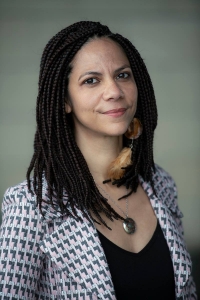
x,y
112,91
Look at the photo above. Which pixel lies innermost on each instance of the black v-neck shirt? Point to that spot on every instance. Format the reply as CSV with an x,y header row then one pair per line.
x,y
145,275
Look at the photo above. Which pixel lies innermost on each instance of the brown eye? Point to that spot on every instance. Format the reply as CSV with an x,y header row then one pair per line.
x,y
123,75
91,81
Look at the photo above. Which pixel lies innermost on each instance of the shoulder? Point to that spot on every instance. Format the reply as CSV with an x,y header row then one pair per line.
x,y
166,190
18,195
163,180
20,204
21,217
163,183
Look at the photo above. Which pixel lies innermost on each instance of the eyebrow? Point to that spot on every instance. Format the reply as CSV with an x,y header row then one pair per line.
x,y
98,73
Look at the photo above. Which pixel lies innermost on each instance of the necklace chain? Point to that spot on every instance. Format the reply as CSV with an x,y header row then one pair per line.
x,y
126,214
129,224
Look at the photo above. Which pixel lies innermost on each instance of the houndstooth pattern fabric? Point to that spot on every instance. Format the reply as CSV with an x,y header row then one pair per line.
x,y
57,257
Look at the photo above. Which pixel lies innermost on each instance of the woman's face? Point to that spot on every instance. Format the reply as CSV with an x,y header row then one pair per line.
x,y
102,94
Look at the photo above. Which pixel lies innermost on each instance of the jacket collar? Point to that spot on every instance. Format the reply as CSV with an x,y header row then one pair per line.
x,y
75,248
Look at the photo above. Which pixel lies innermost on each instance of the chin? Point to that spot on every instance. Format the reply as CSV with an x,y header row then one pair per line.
x,y
117,132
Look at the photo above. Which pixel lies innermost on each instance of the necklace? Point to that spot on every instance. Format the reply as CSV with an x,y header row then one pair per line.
x,y
129,224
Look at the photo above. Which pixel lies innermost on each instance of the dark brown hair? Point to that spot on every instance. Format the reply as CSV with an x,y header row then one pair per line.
x,y
56,154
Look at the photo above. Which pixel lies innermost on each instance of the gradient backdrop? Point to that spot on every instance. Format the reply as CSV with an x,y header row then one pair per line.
x,y
166,33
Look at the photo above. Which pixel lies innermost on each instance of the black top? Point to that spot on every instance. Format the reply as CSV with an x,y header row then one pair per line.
x,y
145,275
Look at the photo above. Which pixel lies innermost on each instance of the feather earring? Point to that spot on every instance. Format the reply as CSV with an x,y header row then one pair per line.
x,y
116,168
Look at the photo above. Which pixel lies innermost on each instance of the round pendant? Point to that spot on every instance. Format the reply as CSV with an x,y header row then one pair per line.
x,y
129,225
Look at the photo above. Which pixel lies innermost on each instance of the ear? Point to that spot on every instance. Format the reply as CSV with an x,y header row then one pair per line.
x,y
68,108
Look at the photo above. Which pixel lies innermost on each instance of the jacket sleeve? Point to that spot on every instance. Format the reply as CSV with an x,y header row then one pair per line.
x,y
190,288
20,255
189,291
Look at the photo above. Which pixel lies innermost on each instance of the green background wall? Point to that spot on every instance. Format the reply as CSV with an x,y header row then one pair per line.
x,y
167,35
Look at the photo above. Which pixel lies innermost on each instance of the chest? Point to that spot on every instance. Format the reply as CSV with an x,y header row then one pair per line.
x,y
141,211
145,274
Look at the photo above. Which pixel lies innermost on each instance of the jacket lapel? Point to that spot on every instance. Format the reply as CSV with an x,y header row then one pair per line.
x,y
167,213
75,248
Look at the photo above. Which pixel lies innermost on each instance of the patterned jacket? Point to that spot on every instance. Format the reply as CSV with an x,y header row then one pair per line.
x,y
57,257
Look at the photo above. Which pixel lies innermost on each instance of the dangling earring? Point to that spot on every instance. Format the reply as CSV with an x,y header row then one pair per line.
x,y
116,168
134,130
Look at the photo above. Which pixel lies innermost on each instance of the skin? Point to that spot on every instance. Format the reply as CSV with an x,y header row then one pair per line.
x,y
103,100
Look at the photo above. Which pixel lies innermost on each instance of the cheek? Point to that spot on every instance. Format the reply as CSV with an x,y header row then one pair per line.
x,y
80,100
133,92
81,107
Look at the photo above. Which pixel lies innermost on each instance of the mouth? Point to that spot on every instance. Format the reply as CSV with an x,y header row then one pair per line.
x,y
115,112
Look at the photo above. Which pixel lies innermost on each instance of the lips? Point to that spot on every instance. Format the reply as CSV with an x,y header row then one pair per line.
x,y
114,111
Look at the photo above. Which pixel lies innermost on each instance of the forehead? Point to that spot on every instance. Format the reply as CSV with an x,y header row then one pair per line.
x,y
99,51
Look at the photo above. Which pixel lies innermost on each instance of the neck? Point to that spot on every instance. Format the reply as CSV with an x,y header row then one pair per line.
x,y
99,152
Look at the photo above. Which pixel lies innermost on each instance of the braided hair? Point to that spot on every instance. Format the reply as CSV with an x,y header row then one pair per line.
x,y
56,154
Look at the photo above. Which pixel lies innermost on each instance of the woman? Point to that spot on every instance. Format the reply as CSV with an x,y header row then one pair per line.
x,y
64,234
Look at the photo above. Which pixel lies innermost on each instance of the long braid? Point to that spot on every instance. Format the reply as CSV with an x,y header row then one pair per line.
x,y
56,154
